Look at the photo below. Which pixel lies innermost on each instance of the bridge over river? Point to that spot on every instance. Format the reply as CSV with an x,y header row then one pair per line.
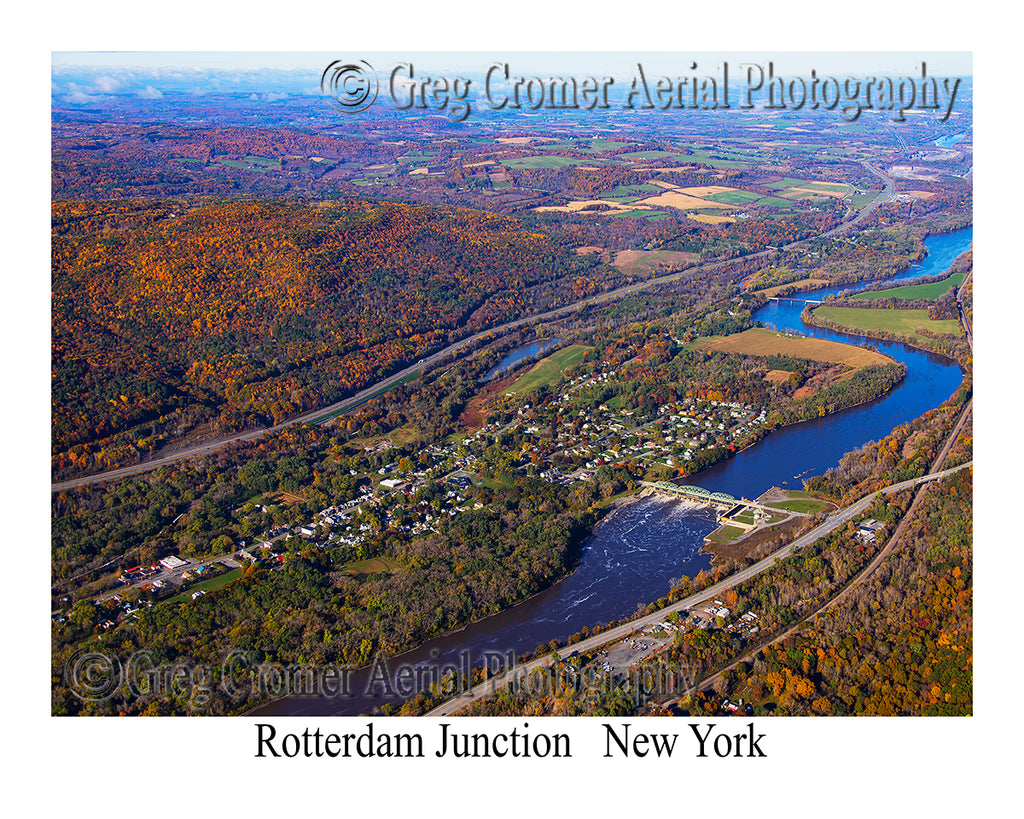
x,y
699,494
695,493
794,299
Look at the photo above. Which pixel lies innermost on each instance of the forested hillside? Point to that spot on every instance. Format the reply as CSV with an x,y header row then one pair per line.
x,y
172,314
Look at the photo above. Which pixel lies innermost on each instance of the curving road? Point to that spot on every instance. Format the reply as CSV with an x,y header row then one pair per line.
x,y
213,445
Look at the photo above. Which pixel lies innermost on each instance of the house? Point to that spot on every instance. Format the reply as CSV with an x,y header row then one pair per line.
x,y
868,529
172,562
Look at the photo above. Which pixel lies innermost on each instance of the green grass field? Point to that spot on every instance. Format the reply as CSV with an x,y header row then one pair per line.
x,y
901,322
548,370
253,163
207,585
647,154
717,159
808,505
371,565
828,187
653,215
932,290
733,197
726,534
631,192
860,200
561,145
594,146
546,162
789,182
606,145
775,202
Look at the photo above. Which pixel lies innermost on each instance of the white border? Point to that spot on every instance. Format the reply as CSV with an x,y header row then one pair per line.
x,y
836,766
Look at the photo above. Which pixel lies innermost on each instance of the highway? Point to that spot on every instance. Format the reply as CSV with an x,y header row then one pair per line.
x,y
831,523
213,445
868,570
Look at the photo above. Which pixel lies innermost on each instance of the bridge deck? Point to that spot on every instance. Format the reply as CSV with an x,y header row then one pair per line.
x,y
702,495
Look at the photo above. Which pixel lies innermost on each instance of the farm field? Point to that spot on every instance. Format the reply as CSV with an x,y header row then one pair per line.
x,y
585,204
931,290
802,284
251,163
792,189
733,197
545,161
682,201
763,342
631,192
595,145
839,188
548,370
644,262
703,203
649,215
708,191
711,218
720,160
776,202
900,322
648,154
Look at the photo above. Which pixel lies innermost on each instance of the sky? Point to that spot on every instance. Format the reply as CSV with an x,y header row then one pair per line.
x,y
950,62
82,78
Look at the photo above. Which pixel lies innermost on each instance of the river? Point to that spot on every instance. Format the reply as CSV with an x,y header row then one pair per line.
x,y
637,550
531,350
948,141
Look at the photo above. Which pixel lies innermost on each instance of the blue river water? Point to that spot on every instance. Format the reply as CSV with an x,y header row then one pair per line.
x,y
635,553
948,141
531,350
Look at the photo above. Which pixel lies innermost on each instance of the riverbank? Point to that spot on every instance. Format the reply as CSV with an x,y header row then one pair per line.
x,y
635,554
756,542
956,348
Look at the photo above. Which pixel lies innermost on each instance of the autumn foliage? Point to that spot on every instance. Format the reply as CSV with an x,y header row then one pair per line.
x,y
241,313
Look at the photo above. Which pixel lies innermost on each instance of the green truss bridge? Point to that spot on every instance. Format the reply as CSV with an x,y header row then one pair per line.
x,y
695,493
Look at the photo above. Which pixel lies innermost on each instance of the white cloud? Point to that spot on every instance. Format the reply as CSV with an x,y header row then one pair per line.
x,y
81,98
150,93
106,85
